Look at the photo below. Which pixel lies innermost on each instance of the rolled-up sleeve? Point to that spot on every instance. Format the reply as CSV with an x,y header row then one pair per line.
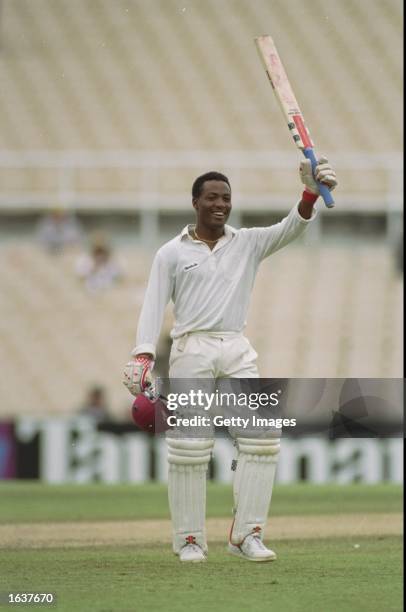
x,y
158,293
270,239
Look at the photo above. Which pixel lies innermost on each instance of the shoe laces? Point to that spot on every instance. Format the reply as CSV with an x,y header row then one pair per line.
x,y
256,537
191,544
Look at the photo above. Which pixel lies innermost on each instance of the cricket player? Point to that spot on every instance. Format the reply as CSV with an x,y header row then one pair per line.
x,y
208,271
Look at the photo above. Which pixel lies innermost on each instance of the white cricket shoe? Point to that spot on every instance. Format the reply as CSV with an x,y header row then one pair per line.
x,y
191,552
252,548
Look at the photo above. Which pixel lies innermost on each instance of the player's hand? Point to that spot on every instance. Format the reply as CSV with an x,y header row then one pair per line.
x,y
323,173
137,374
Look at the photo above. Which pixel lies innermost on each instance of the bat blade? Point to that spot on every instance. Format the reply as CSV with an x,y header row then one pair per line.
x,y
289,105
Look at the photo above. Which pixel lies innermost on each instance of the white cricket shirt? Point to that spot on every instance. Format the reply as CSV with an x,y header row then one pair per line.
x,y
210,289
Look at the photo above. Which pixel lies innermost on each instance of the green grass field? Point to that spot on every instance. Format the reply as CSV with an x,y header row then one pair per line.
x,y
334,574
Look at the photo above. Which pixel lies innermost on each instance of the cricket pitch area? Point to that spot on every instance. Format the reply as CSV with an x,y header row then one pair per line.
x,y
107,547
111,533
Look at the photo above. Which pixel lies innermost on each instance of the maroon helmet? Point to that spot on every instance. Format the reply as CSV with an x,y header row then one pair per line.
x,y
150,414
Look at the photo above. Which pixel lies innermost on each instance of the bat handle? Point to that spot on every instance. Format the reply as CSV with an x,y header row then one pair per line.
x,y
324,190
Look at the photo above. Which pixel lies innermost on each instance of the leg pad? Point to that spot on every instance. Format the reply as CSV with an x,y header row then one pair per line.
x,y
188,460
253,482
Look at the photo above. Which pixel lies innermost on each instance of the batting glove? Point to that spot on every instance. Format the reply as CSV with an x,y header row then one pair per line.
x,y
323,174
137,374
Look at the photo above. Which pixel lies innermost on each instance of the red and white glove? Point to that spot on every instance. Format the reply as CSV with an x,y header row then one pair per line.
x,y
323,173
137,374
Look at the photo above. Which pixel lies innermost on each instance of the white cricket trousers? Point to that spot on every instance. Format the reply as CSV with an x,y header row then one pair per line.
x,y
212,355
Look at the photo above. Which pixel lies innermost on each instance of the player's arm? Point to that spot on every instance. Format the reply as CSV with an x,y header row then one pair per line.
x,y
137,372
268,240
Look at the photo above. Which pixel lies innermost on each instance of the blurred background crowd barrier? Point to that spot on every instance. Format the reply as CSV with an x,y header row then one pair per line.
x,y
110,109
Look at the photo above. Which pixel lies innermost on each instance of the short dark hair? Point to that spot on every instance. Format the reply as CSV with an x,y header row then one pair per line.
x,y
208,176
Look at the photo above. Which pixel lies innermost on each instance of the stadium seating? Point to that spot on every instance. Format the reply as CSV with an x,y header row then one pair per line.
x,y
332,311
154,76
116,106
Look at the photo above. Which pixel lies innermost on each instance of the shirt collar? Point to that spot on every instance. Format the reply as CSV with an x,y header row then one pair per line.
x,y
229,232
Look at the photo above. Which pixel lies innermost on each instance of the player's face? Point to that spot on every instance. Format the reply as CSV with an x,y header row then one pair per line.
x,y
213,206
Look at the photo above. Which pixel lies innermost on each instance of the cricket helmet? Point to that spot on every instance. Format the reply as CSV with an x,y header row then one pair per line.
x,y
150,414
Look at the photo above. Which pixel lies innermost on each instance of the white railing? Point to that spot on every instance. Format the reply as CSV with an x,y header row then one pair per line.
x,y
62,169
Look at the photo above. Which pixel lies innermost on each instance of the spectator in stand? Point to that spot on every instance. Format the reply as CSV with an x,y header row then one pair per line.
x,y
99,269
96,405
58,230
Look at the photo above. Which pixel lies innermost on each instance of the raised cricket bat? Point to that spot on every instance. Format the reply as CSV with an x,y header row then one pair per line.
x,y
288,103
